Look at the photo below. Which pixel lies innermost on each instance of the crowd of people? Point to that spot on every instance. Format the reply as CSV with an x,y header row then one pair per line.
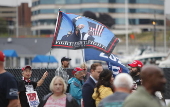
x,y
142,87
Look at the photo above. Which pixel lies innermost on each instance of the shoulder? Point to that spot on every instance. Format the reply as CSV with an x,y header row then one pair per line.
x,y
7,75
133,100
106,88
47,96
59,68
89,81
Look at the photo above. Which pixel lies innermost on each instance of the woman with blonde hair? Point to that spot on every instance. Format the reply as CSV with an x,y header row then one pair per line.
x,y
104,86
58,98
86,73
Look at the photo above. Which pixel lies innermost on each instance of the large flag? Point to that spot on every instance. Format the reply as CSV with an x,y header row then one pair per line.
x,y
112,61
79,32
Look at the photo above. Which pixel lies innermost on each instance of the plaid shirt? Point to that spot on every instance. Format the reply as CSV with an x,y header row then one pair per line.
x,y
62,72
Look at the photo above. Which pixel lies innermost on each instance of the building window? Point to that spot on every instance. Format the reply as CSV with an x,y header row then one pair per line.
x,y
27,61
18,62
7,61
73,1
78,61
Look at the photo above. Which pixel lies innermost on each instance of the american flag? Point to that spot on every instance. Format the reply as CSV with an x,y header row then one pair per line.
x,y
96,29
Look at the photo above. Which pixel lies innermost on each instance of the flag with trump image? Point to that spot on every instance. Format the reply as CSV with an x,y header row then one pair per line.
x,y
79,32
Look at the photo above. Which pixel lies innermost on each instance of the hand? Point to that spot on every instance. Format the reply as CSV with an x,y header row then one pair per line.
x,y
80,26
45,75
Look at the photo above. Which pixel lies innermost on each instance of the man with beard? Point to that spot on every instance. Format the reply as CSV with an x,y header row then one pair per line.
x,y
135,69
152,80
62,71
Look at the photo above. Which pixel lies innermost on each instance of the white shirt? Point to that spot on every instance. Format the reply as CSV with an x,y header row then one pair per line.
x,y
93,79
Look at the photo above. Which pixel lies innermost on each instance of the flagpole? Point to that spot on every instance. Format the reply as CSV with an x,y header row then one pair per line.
x,y
53,35
83,55
49,58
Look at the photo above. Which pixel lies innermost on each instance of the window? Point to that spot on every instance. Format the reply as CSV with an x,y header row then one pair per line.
x,y
144,21
90,1
120,21
27,61
18,62
132,10
46,11
72,11
120,10
73,1
112,10
102,9
78,60
46,31
89,9
132,1
7,61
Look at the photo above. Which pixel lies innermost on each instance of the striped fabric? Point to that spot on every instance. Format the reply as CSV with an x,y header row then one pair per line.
x,y
96,29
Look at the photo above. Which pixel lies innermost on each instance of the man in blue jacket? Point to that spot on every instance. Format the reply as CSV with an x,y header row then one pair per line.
x,y
89,85
76,83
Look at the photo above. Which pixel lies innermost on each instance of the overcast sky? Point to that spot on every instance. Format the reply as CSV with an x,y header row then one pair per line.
x,y
14,2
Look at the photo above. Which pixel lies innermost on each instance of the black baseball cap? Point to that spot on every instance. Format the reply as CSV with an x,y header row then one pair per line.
x,y
65,59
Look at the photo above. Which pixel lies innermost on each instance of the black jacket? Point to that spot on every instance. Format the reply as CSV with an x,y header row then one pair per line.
x,y
70,101
87,91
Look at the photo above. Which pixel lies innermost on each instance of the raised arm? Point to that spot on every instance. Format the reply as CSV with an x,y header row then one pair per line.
x,y
40,82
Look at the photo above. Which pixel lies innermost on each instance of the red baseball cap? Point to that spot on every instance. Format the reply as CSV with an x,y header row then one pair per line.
x,y
27,66
136,63
76,70
2,56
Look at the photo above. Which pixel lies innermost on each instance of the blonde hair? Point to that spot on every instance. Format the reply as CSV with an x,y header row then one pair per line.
x,y
51,87
83,65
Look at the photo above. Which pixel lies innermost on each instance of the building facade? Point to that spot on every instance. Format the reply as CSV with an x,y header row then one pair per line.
x,y
8,14
24,13
141,13
21,15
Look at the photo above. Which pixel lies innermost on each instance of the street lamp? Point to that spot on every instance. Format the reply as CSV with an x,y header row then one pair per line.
x,y
154,35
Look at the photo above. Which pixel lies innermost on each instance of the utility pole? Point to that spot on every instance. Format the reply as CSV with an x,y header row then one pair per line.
x,y
126,25
165,48
16,19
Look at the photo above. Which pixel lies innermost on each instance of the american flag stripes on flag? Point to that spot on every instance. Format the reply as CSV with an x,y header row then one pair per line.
x,y
96,29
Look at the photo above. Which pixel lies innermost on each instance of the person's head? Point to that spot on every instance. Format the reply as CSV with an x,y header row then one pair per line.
x,y
95,70
58,85
26,72
123,82
153,78
2,58
136,66
65,62
79,27
105,78
84,66
90,32
78,73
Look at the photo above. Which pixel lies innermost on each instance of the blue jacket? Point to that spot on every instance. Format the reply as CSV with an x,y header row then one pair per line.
x,y
88,90
75,89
